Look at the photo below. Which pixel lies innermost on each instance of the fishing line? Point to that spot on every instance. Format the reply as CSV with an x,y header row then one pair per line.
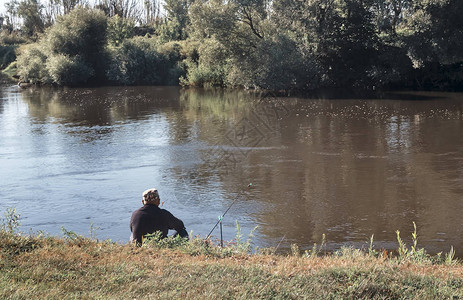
x,y
221,217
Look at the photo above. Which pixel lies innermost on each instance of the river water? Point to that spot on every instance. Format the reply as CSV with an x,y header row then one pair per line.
x,y
346,168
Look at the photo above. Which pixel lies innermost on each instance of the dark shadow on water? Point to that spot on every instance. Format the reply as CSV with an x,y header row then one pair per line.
x,y
349,94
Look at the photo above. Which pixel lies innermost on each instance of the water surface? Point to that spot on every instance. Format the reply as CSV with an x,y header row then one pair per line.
x,y
346,168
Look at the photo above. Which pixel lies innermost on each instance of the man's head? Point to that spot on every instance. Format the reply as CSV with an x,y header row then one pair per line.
x,y
151,196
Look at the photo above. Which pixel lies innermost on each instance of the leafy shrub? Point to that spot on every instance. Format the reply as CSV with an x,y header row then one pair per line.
x,y
173,54
211,66
32,64
119,29
10,71
12,38
135,62
81,32
140,61
7,55
66,70
275,64
72,51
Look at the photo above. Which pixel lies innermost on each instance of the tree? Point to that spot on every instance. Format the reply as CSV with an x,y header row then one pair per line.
x,y
253,52
119,29
433,37
72,51
126,9
82,33
151,11
31,13
389,15
177,20
12,13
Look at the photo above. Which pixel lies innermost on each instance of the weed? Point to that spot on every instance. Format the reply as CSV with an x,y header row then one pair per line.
x,y
402,250
93,230
414,253
450,257
295,250
242,246
70,235
371,251
12,242
11,221
316,250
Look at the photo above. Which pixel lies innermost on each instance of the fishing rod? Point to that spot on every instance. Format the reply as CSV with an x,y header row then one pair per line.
x,y
221,218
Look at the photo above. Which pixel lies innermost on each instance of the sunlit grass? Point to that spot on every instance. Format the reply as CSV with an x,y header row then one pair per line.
x,y
40,266
7,74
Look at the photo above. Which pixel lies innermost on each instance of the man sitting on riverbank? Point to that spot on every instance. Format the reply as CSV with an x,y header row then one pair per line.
x,y
150,218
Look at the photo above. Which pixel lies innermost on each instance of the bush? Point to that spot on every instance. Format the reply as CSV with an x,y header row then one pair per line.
x,y
275,64
65,70
81,32
31,64
7,55
12,38
119,29
174,54
135,62
11,71
71,52
140,61
210,68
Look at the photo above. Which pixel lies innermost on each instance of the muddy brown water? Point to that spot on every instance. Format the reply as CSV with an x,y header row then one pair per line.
x,y
346,168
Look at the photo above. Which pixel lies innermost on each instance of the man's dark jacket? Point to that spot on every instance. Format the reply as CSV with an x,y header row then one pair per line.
x,y
150,218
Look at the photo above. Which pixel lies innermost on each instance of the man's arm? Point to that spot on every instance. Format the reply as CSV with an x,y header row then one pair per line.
x,y
136,234
176,224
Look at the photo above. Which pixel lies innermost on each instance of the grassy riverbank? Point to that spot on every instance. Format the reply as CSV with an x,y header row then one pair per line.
x,y
35,266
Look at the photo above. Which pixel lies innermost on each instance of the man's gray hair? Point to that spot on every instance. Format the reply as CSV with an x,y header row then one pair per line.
x,y
150,193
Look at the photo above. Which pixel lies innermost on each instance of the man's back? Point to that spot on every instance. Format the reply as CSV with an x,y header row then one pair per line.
x,y
150,218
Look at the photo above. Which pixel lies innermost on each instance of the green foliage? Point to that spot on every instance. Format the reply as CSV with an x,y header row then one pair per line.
x,y
32,64
71,52
242,48
11,38
275,64
65,70
31,13
198,246
450,257
275,45
93,230
119,29
316,250
11,241
174,28
413,253
136,61
70,235
82,32
7,55
295,251
11,221
371,251
211,66
193,246
142,60
10,71
239,244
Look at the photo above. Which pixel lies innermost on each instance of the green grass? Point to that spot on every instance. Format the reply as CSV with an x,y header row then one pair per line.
x,y
39,266
6,75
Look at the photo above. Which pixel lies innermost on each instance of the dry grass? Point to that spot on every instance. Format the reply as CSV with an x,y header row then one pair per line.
x,y
44,267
